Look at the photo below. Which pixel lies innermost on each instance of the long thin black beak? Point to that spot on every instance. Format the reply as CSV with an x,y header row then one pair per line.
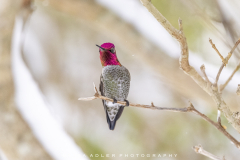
x,y
101,47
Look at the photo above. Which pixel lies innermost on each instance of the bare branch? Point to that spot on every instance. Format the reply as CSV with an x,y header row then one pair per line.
x,y
219,127
229,79
189,70
98,96
186,109
161,19
198,149
226,60
17,140
215,48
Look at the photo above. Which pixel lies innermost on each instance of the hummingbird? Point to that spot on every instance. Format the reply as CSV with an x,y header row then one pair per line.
x,y
114,83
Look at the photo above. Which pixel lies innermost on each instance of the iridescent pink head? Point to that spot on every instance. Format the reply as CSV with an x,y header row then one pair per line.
x,y
108,54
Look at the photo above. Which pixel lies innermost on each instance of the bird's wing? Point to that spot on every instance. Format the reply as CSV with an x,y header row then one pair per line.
x,y
101,88
111,124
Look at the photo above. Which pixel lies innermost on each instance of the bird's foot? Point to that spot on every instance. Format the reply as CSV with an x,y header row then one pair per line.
x,y
114,100
127,102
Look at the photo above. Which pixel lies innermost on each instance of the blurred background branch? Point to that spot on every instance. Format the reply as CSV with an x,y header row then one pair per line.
x,y
16,139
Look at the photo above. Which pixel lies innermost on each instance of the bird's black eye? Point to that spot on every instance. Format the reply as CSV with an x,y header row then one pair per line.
x,y
112,50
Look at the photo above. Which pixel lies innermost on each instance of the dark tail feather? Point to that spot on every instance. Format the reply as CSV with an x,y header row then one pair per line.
x,y
112,124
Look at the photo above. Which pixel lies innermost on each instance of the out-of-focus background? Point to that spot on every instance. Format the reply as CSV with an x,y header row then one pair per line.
x,y
60,53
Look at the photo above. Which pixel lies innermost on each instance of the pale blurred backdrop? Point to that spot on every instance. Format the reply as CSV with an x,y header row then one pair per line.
x,y
60,52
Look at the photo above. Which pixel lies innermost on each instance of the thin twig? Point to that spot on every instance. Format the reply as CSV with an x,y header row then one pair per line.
x,y
98,96
215,48
234,47
199,149
219,73
229,79
204,74
226,60
152,106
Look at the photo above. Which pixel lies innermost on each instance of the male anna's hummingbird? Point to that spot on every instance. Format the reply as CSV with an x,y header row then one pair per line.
x,y
114,83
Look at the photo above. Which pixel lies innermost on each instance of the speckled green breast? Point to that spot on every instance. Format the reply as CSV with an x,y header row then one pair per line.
x,y
116,82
